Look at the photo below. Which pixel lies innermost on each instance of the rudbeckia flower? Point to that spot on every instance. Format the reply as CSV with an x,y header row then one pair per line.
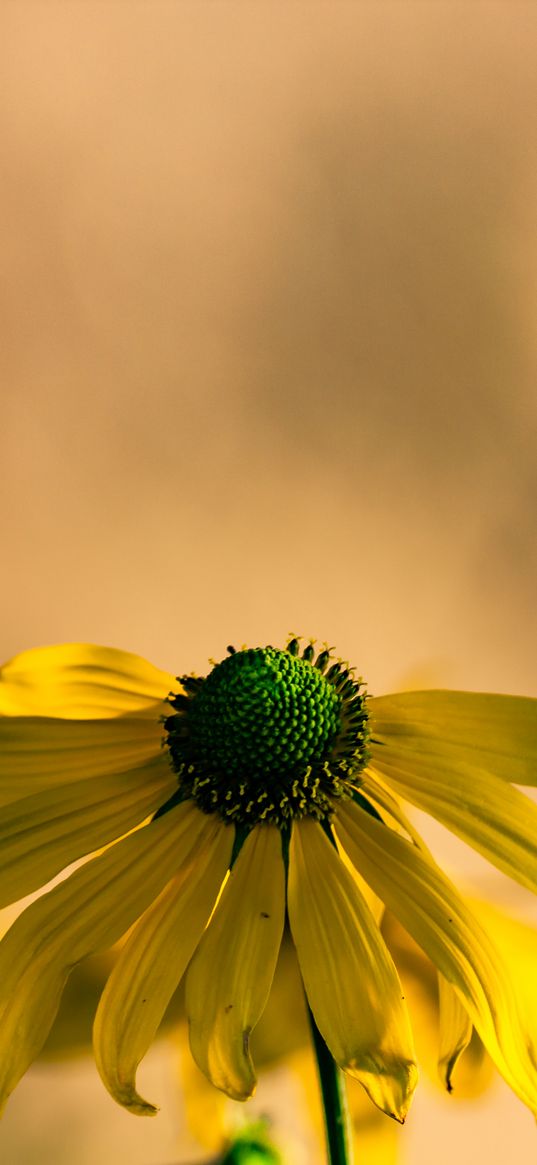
x,y
220,803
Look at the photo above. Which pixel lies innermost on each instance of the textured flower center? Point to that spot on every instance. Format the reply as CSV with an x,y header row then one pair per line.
x,y
267,735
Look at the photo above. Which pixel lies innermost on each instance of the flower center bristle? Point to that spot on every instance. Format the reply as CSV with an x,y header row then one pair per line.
x,y
269,735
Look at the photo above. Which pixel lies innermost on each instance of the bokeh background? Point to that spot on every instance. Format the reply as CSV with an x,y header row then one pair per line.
x,y
269,274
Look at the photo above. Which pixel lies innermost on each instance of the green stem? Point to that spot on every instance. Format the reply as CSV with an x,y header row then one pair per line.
x,y
336,1116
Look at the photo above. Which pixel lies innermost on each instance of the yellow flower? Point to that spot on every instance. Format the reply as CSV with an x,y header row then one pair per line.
x,y
279,768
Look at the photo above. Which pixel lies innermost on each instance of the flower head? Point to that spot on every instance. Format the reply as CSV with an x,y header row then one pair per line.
x,y
222,803
266,737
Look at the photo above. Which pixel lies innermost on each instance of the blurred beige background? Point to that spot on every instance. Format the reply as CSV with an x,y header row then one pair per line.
x,y
270,362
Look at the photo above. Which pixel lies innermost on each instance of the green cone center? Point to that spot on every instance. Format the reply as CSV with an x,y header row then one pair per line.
x,y
266,736
260,709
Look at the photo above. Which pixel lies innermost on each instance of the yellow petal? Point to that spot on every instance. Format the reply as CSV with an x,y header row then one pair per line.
x,y
41,835
230,976
39,752
492,732
284,1025
85,913
70,1033
79,680
205,1105
474,1071
153,961
485,811
350,980
430,908
455,1030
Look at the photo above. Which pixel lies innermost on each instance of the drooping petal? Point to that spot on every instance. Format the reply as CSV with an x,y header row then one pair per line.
x,y
152,962
474,1070
350,980
496,819
87,912
230,976
80,680
492,732
41,835
430,908
204,1106
455,1030
284,1025
39,752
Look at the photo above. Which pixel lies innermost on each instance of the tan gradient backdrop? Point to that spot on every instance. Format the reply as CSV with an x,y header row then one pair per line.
x,y
270,363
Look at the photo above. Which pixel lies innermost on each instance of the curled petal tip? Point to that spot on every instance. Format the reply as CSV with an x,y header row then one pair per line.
x,y
129,1099
144,1109
240,1094
391,1091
